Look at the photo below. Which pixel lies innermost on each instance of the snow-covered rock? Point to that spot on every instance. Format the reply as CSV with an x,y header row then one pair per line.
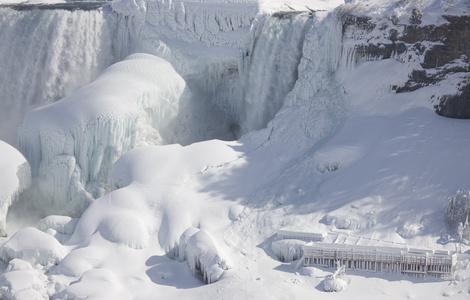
x,y
21,281
15,177
33,246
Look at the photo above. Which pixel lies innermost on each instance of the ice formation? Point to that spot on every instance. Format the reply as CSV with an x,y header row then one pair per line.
x,y
72,144
269,67
288,250
204,257
16,176
50,54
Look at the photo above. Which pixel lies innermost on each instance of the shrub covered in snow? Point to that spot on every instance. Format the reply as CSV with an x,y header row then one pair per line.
x,y
337,281
457,215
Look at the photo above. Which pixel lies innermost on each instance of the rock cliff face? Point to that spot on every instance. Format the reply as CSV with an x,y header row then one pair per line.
x,y
434,53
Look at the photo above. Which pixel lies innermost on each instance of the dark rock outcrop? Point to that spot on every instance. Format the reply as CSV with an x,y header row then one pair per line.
x,y
441,50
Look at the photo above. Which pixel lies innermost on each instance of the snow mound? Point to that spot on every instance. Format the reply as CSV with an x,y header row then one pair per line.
x,y
16,176
337,281
288,250
33,246
21,281
80,260
125,228
73,143
204,257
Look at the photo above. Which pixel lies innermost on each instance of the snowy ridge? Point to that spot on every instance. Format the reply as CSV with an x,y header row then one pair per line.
x,y
46,59
64,141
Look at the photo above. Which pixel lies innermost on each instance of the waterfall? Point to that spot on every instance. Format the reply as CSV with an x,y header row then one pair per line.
x,y
269,66
49,54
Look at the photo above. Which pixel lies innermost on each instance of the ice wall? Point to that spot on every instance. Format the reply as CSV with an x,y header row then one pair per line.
x,y
180,30
15,177
202,40
72,144
49,54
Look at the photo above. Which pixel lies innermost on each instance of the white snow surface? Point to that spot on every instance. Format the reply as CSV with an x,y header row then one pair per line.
x,y
344,154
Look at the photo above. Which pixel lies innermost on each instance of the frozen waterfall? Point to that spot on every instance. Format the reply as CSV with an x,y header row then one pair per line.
x,y
269,66
72,144
50,53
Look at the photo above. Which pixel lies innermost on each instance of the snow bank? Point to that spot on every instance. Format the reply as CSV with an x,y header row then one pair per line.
x,y
73,143
21,281
16,176
288,250
204,257
33,246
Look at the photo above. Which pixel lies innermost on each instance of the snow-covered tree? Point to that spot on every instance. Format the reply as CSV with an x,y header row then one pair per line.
x,y
457,215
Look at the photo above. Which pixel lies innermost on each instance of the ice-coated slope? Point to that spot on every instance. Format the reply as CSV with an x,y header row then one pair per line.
x,y
15,177
72,144
49,54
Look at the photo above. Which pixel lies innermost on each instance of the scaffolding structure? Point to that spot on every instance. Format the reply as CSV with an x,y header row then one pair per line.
x,y
416,262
